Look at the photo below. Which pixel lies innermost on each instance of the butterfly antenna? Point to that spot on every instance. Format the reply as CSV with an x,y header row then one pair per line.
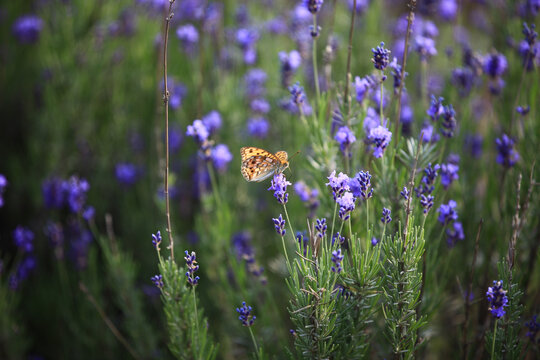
x,y
296,153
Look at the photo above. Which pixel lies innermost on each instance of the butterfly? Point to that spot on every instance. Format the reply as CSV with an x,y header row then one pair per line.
x,y
259,164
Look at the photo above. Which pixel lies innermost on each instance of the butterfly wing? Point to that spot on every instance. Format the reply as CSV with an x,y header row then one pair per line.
x,y
258,164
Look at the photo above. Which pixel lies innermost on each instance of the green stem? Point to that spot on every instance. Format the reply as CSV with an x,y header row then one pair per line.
x,y
367,218
254,341
285,252
334,219
288,221
424,89
196,313
381,104
314,56
494,338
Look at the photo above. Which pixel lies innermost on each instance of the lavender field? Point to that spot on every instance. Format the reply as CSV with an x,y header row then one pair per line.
x,y
273,179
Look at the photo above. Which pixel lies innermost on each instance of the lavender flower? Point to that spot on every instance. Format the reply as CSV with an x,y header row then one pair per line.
x,y
198,131
364,87
360,185
426,186
436,108
371,121
507,156
313,6
244,251
247,39
386,218
126,173
425,47
188,36
374,241
405,193
454,234
339,238
339,184
428,134
289,63
212,121
463,78
303,241
345,138
88,213
27,29
245,314
192,266
76,193
320,228
533,326
177,93
396,73
279,225
448,124
380,137
337,258
529,33
279,187
258,127
497,299
24,269
346,205
426,202
255,82
449,173
523,110
221,157
24,238
297,94
307,195
447,212
3,184
495,65
156,240
260,106
361,5
447,9
157,280
381,57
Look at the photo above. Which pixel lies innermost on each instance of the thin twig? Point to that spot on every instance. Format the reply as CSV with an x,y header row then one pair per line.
x,y
469,291
411,186
410,19
166,105
348,71
108,322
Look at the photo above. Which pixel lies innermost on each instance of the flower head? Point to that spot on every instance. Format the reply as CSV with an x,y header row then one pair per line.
x,y
279,225
345,138
346,205
386,218
76,193
221,157
449,173
157,280
436,108
497,299
3,184
24,238
297,94
396,73
339,184
507,156
279,187
454,234
374,241
289,63
320,228
426,186
212,121
337,258
313,6
426,202
156,239
337,236
364,87
126,173
405,193
447,212
523,110
495,65
188,36
198,131
425,47
380,137
381,57
191,263
258,127
533,326
360,185
27,28
245,314
255,82
448,124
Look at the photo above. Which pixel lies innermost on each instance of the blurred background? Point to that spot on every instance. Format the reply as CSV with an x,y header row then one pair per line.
x,y
82,155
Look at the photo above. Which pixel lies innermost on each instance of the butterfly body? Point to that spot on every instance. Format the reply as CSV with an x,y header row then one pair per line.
x,y
259,164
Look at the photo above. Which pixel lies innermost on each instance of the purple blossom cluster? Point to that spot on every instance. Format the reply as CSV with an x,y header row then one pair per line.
x,y
309,196
279,225
279,185
200,131
24,240
192,267
320,228
70,193
3,185
449,171
448,217
244,251
245,316
257,125
497,299
507,156
337,258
